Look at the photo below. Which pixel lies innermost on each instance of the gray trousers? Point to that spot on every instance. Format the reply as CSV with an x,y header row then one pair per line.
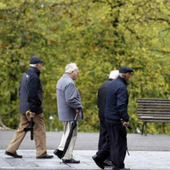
x,y
66,130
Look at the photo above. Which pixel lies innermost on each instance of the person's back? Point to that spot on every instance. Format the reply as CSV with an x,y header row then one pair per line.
x,y
101,98
116,100
67,102
27,98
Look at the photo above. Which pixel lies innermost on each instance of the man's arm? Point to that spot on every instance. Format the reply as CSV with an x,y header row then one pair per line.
x,y
71,95
98,99
122,98
33,98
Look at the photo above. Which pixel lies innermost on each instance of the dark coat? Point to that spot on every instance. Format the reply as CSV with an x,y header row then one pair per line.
x,y
101,99
117,100
31,92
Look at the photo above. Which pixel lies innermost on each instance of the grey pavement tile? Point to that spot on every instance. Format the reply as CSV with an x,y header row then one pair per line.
x,y
20,163
4,163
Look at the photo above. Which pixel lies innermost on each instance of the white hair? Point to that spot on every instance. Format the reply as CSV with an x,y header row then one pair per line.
x,y
114,74
32,65
70,67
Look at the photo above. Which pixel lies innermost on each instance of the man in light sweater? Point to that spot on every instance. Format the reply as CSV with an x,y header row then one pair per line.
x,y
69,104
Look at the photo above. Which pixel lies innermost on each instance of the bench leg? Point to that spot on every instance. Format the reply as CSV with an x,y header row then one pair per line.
x,y
163,127
144,128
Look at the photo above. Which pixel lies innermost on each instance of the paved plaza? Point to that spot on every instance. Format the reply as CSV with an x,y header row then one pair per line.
x,y
151,152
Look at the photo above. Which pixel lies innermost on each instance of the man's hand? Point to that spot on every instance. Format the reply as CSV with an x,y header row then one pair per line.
x,y
126,124
29,113
32,114
78,111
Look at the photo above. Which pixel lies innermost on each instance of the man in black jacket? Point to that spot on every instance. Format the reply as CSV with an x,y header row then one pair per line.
x,y
103,134
31,98
115,113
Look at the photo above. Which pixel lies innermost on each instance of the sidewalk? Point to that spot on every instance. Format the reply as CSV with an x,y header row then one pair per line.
x,y
138,160
151,152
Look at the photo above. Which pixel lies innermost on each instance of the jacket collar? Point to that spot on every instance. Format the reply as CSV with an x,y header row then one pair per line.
x,y
67,76
35,70
123,80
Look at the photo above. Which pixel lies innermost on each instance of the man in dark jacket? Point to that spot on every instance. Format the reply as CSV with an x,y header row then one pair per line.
x,y
101,105
31,98
115,113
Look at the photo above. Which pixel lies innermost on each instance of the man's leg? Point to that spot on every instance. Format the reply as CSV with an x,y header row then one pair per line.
x,y
40,135
19,135
103,154
118,144
102,134
69,152
66,130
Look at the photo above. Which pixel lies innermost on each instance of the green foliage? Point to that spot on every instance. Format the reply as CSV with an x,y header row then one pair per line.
x,y
98,35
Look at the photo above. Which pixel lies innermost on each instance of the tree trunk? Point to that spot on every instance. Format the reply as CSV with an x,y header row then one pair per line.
x,y
2,126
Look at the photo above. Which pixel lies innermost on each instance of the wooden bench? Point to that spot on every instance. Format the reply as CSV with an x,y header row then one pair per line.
x,y
153,110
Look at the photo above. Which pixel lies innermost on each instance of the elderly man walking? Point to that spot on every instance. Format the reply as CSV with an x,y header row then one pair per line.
x,y
117,119
31,98
103,134
69,104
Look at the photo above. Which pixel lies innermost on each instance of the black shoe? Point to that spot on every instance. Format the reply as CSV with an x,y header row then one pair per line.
x,y
14,155
70,161
115,168
45,157
107,163
98,162
58,153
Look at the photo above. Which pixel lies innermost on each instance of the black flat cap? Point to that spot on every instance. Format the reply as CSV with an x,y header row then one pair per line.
x,y
36,60
125,69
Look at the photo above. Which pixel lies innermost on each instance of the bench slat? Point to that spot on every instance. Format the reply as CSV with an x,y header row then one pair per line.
x,y
154,120
153,116
153,104
151,107
154,113
153,100
154,109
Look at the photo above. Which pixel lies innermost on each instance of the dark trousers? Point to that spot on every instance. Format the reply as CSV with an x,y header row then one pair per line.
x,y
104,144
102,134
118,143
115,146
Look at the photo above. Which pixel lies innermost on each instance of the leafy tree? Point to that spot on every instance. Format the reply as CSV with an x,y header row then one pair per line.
x,y
98,35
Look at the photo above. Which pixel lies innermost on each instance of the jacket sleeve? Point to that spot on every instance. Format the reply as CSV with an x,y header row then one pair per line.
x,y
72,97
122,103
33,98
98,99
